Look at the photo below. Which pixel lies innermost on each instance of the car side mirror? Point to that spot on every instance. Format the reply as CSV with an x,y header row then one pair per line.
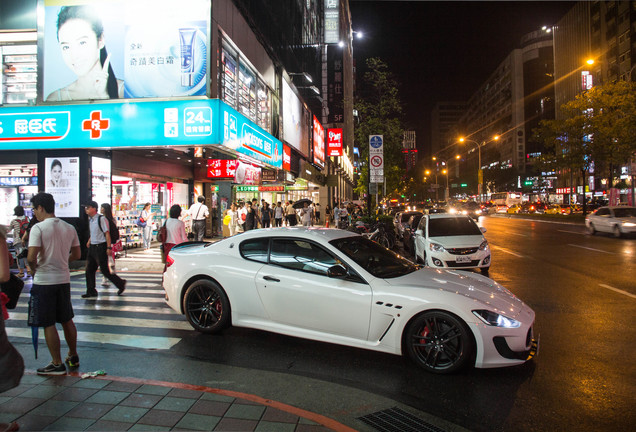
x,y
482,229
337,271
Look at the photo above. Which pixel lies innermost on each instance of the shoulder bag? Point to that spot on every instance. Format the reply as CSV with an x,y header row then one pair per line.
x,y
12,288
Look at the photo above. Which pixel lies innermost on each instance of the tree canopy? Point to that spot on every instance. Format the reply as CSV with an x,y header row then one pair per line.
x,y
380,113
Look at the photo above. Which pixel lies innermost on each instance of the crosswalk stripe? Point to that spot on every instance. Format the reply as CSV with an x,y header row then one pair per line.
x,y
122,322
114,296
134,341
160,309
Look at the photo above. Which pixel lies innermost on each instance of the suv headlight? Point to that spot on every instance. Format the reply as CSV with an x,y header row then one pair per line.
x,y
496,320
483,245
436,247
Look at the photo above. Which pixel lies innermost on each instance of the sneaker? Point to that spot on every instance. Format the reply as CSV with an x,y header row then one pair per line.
x,y
52,369
105,282
89,295
72,361
121,289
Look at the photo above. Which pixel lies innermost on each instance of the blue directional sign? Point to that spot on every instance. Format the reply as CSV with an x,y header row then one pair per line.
x,y
375,141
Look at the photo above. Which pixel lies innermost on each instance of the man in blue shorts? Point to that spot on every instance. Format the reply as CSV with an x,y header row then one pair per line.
x,y
53,243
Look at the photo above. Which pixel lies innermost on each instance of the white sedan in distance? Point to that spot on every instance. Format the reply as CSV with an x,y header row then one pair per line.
x,y
618,220
335,286
451,241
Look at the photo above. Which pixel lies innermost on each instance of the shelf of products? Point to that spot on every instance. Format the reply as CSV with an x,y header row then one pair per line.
x,y
19,74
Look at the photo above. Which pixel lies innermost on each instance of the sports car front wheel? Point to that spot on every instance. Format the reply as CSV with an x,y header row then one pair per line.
x,y
206,306
439,342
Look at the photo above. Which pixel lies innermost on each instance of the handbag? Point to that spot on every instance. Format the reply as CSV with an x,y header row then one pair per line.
x,y
118,246
162,234
12,288
141,222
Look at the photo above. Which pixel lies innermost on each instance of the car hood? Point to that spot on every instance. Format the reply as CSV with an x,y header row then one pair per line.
x,y
458,241
463,283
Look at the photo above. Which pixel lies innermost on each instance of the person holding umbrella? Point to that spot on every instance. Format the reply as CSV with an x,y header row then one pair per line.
x,y
53,243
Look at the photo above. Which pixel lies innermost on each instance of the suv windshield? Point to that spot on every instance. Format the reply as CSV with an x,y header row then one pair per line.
x,y
453,226
375,259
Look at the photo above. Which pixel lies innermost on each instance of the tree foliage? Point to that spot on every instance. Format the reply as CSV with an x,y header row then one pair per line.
x,y
380,113
597,127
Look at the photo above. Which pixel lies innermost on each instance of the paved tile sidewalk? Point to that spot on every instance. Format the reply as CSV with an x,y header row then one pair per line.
x,y
108,403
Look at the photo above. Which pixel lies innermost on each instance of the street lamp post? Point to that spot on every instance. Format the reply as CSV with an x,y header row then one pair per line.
x,y
480,174
444,171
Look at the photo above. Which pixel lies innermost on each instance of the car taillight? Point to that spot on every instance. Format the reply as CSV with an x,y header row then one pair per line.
x,y
169,261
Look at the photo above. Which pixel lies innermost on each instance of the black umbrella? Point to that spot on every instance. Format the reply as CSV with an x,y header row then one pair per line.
x,y
301,203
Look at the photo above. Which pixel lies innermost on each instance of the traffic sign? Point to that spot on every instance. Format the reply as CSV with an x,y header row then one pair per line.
x,y
375,141
377,161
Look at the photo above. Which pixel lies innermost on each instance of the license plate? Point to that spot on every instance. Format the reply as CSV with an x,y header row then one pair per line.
x,y
463,259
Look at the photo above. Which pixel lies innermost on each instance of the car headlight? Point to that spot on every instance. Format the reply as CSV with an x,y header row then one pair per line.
x,y
629,224
496,320
436,247
452,211
483,245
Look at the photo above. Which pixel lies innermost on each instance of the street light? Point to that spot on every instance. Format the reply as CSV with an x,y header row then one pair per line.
x,y
480,174
444,171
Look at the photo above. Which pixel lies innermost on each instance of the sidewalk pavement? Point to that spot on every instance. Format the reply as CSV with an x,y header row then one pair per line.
x,y
70,403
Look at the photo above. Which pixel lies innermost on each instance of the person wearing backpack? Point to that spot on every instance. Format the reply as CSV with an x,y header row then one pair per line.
x,y
107,211
99,247
19,225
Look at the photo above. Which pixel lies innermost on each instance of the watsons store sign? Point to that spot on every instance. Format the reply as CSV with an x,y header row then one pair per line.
x,y
137,124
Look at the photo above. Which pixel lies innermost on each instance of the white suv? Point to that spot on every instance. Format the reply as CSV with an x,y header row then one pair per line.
x,y
451,241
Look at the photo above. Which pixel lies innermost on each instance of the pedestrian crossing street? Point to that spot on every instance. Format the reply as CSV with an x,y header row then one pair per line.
x,y
139,318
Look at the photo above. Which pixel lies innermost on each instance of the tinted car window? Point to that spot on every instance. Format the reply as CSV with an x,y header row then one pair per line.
x,y
377,260
625,212
255,250
301,255
442,227
603,212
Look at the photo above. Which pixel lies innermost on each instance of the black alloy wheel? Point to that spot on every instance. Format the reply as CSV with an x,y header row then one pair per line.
x,y
591,229
439,342
617,231
206,306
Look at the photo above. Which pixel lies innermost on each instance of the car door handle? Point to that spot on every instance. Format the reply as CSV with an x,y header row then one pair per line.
x,y
271,278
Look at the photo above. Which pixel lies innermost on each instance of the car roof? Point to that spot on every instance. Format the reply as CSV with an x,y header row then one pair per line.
x,y
327,234
447,216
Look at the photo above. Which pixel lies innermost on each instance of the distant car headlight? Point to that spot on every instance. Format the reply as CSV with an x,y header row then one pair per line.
x,y
483,245
464,212
629,224
436,247
496,320
452,211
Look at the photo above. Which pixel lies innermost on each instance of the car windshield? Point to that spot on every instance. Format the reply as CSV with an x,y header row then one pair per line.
x,y
376,259
456,226
625,212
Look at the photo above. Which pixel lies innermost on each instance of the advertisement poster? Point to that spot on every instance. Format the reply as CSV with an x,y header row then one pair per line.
x,y
101,180
8,201
319,143
61,179
124,49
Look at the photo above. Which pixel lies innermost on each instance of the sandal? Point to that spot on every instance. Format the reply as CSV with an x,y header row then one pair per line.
x,y
20,275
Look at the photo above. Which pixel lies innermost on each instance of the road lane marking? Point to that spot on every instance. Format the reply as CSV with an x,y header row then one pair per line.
x,y
507,251
618,290
133,341
520,235
592,249
122,322
573,232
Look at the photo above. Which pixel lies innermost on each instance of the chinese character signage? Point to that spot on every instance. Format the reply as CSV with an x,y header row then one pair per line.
x,y
61,180
332,21
334,142
335,85
319,144
247,174
124,49
222,168
286,157
135,124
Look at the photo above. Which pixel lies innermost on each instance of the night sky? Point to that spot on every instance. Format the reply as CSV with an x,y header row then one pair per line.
x,y
443,50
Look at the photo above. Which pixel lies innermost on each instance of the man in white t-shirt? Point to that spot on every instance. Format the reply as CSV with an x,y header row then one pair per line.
x,y
199,212
53,243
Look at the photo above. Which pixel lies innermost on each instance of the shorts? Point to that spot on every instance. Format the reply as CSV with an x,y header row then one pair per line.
x,y
50,304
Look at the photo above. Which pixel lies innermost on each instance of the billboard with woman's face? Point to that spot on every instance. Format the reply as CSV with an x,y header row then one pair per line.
x,y
61,179
124,49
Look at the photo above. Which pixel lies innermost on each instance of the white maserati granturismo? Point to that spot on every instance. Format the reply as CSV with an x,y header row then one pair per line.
x,y
335,286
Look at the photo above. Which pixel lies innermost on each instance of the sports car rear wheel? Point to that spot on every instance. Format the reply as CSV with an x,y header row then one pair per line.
x,y
439,342
206,306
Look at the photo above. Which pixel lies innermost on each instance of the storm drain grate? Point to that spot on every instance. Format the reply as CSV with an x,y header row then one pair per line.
x,y
397,420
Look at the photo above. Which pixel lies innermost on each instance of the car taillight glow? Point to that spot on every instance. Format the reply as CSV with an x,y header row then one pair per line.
x,y
169,261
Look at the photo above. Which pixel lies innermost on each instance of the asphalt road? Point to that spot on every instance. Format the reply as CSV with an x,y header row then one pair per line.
x,y
582,287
